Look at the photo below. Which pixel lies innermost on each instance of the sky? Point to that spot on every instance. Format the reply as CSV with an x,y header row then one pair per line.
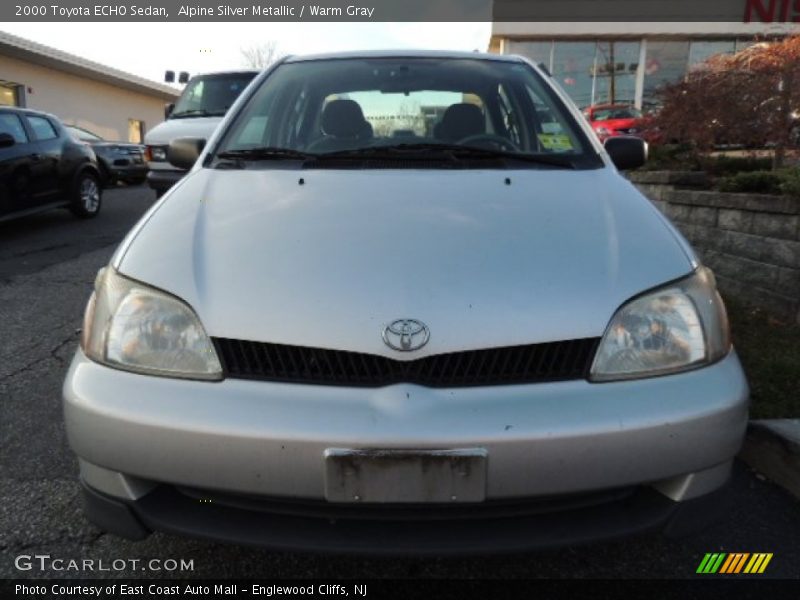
x,y
149,50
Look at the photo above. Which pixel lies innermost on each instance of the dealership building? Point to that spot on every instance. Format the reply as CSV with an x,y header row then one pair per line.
x,y
111,103
597,60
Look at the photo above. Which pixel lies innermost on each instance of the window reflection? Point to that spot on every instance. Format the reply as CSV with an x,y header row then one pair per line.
x,y
615,72
573,64
701,51
607,71
666,62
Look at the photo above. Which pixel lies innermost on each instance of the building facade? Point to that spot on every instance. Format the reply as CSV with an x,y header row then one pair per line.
x,y
115,105
599,61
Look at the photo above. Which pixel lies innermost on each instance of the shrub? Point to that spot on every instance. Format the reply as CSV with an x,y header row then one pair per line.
x,y
729,165
791,182
673,157
759,182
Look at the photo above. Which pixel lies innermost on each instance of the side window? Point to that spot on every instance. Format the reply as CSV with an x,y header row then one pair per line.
x,y
11,125
42,128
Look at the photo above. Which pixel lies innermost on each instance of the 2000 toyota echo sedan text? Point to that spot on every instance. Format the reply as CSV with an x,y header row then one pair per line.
x,y
404,302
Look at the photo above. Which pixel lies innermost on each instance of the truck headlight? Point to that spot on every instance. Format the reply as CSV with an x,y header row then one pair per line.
x,y
679,327
131,326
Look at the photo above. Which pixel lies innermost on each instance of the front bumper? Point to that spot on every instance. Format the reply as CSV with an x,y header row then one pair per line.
x,y
393,530
163,179
675,434
128,172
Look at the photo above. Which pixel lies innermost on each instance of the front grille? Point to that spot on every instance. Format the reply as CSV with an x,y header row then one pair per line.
x,y
554,361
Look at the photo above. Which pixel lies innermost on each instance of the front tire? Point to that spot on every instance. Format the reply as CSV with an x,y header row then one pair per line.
x,y
87,196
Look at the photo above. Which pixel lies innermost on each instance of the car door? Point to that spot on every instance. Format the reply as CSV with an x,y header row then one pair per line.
x,y
49,145
17,165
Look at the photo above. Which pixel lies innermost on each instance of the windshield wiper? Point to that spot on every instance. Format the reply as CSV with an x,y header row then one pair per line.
x,y
265,153
451,151
196,112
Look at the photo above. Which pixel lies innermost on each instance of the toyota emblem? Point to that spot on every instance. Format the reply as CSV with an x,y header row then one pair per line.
x,y
406,335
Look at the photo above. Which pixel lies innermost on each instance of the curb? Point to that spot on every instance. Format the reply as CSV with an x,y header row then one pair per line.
x,y
772,447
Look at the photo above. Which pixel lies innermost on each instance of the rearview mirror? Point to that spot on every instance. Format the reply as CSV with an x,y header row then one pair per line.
x,y
183,152
626,151
6,140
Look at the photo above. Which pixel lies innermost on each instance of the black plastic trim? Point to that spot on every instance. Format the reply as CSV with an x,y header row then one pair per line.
x,y
168,510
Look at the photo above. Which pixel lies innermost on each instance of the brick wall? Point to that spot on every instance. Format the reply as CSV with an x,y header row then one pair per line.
x,y
752,242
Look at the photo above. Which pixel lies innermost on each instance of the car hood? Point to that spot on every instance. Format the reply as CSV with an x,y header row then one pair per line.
x,y
328,258
615,123
171,129
109,145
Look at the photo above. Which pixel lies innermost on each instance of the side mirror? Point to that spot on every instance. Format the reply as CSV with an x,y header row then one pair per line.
x,y
168,108
626,151
6,140
183,152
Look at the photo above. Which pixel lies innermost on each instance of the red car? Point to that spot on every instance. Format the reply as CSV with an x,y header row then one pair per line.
x,y
609,120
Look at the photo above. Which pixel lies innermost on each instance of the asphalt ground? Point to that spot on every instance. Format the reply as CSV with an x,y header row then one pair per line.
x,y
47,266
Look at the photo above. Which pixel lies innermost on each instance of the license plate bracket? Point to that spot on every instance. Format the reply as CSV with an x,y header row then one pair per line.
x,y
405,476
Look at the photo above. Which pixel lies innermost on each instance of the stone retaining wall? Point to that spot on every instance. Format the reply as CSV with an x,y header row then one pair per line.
x,y
752,242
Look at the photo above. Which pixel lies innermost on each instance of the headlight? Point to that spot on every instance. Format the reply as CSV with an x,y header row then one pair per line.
x,y
158,153
603,131
679,327
131,326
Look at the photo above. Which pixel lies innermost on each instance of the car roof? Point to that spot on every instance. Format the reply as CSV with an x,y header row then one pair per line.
x,y
405,54
28,111
227,72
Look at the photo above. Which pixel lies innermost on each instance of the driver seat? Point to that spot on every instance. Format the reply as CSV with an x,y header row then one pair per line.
x,y
460,121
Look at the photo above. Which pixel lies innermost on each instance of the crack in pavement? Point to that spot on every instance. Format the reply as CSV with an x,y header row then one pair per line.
x,y
52,355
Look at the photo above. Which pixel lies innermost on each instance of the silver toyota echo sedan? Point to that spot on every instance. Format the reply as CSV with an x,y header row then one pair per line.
x,y
404,302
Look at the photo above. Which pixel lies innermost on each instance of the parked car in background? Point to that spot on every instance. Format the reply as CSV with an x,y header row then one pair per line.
x,y
118,161
198,111
610,120
474,335
43,167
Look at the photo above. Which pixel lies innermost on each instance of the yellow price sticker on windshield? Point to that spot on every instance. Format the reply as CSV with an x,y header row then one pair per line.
x,y
558,142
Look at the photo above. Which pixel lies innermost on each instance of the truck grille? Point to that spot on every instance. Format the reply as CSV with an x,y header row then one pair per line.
x,y
553,361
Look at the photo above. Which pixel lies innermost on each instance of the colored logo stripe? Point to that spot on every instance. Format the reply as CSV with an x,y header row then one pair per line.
x,y
721,562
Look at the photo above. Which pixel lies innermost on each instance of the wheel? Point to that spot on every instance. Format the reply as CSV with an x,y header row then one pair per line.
x,y
87,196
489,139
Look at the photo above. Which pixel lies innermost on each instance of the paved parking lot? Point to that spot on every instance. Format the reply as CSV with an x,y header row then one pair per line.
x,y
47,265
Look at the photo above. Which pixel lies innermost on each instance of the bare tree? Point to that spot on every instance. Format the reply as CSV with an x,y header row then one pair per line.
x,y
260,56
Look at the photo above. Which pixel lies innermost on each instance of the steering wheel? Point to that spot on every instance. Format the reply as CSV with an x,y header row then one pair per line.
x,y
497,140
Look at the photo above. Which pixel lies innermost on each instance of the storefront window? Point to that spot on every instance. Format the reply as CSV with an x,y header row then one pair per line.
x,y
699,52
666,62
538,52
744,44
573,64
615,70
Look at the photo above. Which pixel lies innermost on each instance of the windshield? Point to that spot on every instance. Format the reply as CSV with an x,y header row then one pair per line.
x,y
618,112
210,95
368,105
